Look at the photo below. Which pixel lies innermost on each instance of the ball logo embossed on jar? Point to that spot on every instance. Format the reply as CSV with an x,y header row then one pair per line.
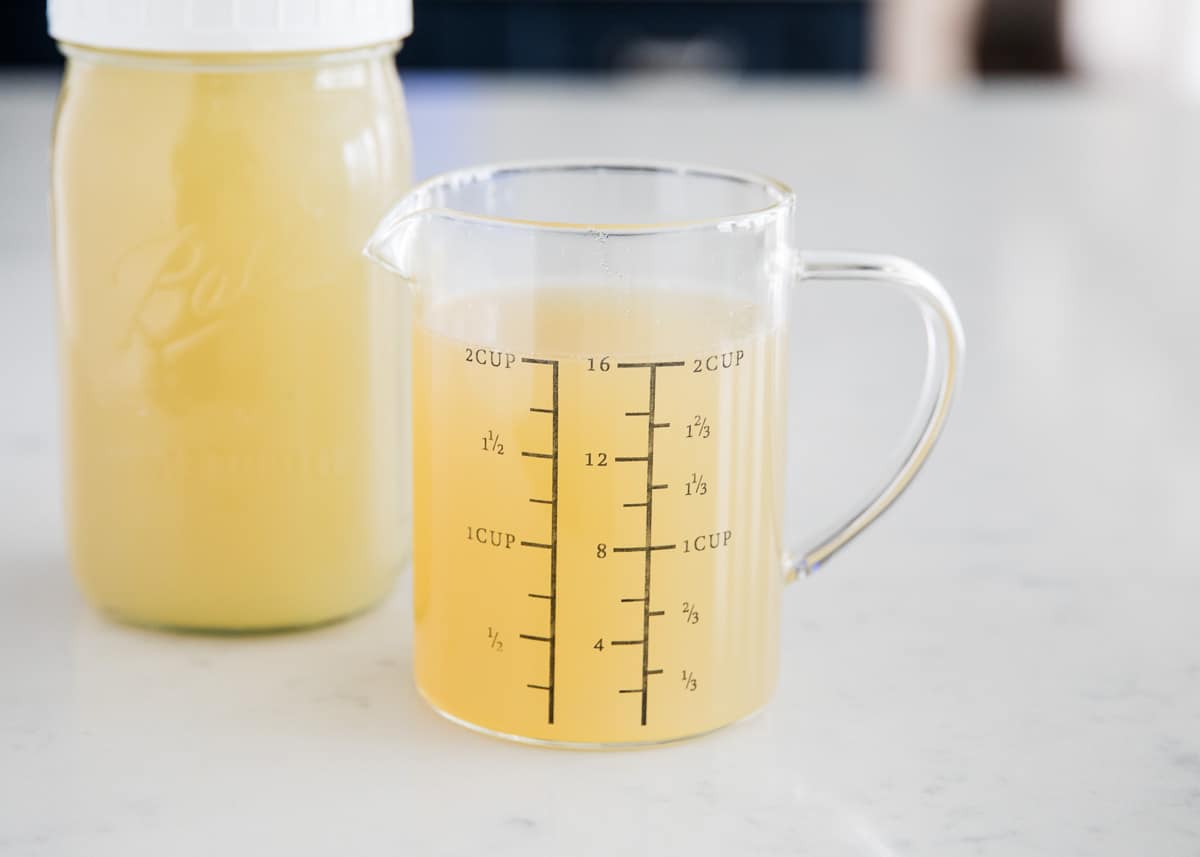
x,y
234,422
189,298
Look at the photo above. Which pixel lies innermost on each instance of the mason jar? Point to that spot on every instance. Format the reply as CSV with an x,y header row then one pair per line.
x,y
234,398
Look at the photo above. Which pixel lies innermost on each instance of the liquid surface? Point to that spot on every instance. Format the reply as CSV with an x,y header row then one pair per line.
x,y
555,440
231,363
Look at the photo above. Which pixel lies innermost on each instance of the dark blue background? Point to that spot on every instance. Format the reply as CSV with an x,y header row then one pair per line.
x,y
818,36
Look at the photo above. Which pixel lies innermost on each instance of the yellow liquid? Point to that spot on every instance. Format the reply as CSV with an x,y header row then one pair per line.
x,y
232,366
490,522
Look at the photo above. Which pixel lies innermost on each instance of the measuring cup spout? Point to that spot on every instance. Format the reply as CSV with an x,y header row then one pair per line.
x,y
394,243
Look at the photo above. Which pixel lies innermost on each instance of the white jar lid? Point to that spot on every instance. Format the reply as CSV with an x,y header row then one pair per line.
x,y
229,26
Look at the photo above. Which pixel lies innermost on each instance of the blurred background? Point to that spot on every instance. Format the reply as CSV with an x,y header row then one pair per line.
x,y
914,43
1005,666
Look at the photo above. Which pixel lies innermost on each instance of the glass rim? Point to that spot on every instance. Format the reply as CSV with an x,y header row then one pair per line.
x,y
780,195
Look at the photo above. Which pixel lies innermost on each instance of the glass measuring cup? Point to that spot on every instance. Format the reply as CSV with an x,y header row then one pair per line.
x,y
598,398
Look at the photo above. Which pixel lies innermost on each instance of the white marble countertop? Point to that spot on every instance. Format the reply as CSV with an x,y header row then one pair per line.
x,y
1008,664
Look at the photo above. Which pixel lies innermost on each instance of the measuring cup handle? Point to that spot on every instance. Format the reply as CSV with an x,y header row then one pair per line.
x,y
944,336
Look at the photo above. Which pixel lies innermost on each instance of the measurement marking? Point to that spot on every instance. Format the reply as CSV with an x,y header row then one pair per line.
x,y
632,600
623,458
553,537
649,548
653,672
659,487
660,364
634,505
552,639
628,643
640,690
658,612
